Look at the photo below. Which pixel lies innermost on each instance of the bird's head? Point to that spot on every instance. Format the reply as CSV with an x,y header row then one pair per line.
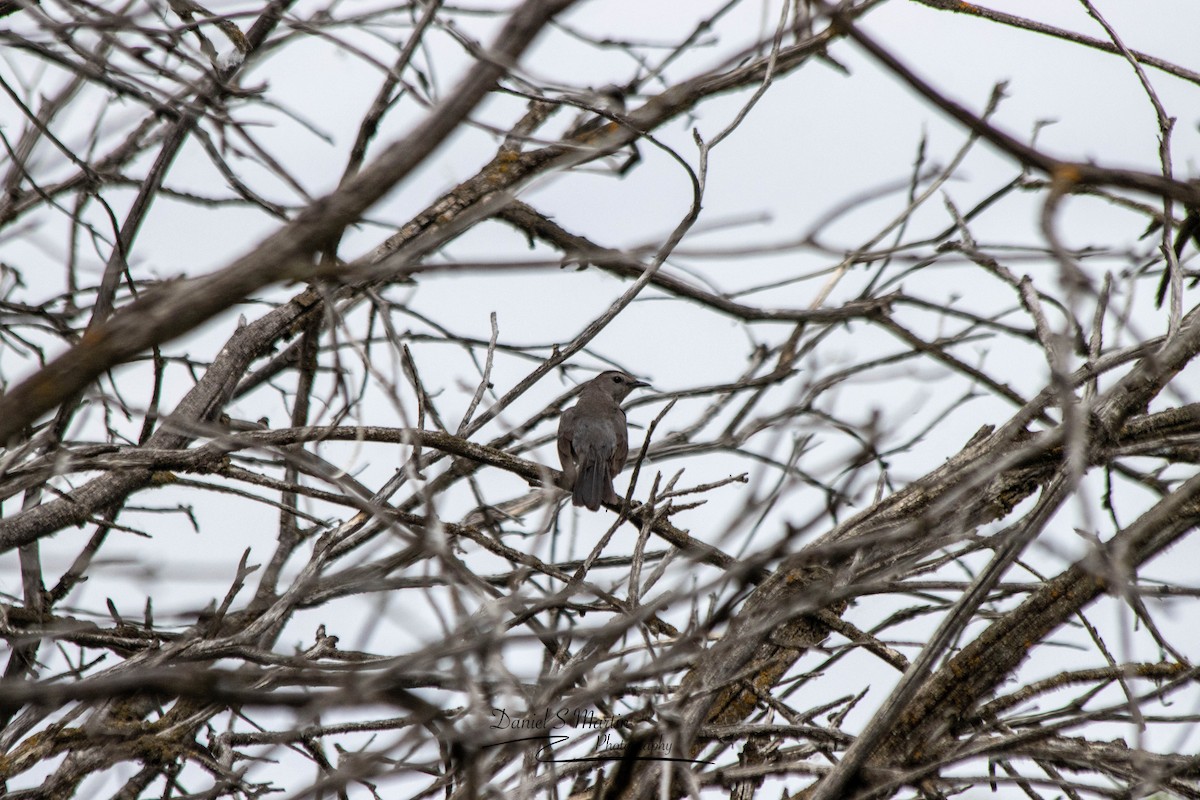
x,y
614,383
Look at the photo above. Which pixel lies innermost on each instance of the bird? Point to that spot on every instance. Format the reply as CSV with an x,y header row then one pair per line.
x,y
609,98
593,439
1189,229
589,128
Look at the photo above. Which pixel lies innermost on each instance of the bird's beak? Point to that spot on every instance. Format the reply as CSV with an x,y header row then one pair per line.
x,y
637,384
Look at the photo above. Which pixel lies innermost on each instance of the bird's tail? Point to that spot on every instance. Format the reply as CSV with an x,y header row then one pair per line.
x,y
592,484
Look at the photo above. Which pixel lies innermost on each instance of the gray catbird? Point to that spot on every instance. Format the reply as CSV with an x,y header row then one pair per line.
x,y
593,440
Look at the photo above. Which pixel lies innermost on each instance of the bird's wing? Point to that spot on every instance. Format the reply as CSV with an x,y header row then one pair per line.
x,y
622,452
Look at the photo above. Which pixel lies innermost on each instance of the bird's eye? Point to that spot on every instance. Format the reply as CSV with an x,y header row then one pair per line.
x,y
616,378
